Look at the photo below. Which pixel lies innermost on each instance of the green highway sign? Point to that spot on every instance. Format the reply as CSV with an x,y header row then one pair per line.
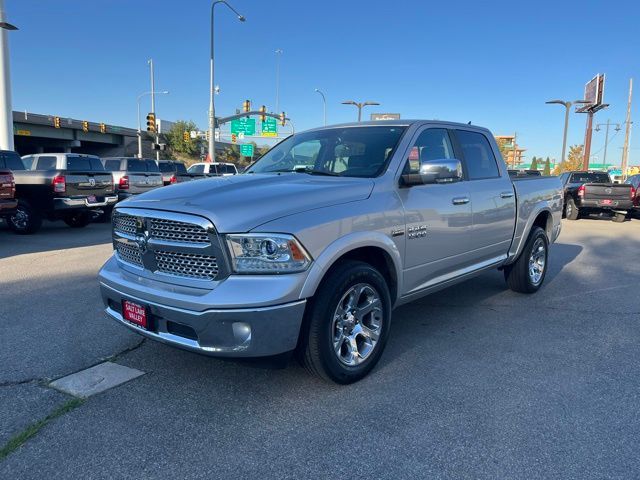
x,y
246,150
244,125
270,127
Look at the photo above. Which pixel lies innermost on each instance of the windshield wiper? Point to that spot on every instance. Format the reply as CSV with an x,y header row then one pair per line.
x,y
321,172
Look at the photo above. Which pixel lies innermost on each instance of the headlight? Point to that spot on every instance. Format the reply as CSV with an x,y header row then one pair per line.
x,y
267,253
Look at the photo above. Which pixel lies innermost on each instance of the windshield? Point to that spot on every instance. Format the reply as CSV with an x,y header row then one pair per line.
x,y
347,152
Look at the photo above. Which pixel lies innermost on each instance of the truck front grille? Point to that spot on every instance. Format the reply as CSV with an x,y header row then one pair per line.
x,y
190,265
167,243
172,231
129,253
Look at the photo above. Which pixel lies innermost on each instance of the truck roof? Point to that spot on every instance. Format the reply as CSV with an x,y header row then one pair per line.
x,y
401,123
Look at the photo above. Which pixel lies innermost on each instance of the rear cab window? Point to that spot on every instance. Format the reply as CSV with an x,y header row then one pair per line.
x,y
112,165
478,155
152,166
180,168
135,165
167,167
586,177
12,161
196,169
79,163
46,162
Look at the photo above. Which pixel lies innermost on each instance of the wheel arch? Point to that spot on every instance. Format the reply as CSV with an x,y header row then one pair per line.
x,y
376,249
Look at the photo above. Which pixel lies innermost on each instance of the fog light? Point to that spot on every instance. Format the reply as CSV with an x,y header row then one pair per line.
x,y
242,332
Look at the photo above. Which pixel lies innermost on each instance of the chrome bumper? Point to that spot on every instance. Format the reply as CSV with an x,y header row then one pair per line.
x,y
70,203
246,332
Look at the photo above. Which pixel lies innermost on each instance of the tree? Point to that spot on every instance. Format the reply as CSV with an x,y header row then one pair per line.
x,y
547,168
503,148
534,164
573,161
176,140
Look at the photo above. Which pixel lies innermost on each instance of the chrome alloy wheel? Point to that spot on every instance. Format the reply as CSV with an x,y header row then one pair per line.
x,y
357,324
537,261
19,219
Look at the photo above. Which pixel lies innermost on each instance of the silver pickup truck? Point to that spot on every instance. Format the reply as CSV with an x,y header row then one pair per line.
x,y
312,248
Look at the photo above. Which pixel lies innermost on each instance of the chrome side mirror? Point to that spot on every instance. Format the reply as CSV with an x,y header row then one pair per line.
x,y
435,171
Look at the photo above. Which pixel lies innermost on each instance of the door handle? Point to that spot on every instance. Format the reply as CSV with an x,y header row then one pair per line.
x,y
460,200
506,195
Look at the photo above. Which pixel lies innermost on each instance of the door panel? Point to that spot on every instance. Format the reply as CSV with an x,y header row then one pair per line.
x,y
437,216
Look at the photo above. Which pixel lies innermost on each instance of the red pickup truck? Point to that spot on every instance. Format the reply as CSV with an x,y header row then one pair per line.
x,y
8,202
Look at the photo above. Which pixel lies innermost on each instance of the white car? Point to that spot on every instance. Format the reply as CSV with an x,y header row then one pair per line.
x,y
214,168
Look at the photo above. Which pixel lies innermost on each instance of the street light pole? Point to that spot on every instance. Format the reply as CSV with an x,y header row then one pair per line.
x,y
278,55
212,112
6,110
153,102
359,106
324,106
567,106
139,129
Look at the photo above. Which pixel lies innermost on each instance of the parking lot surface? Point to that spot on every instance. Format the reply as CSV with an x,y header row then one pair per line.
x,y
476,381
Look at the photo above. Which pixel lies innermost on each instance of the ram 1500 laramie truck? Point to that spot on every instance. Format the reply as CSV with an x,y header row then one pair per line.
x,y
60,186
314,245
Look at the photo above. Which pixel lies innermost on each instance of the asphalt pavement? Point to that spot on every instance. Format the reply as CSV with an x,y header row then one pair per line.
x,y
476,381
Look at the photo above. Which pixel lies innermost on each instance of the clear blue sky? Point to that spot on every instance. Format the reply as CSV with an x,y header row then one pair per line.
x,y
492,64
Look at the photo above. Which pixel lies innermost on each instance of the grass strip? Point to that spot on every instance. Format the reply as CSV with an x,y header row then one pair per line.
x,y
21,438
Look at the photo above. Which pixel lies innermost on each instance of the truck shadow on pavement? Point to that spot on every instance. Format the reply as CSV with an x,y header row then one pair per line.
x,y
52,236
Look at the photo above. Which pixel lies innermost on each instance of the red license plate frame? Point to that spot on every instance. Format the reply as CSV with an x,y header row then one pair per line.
x,y
136,314
92,199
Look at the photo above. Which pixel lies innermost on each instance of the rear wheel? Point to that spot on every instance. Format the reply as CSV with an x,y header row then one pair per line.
x,y
78,220
26,220
571,210
619,217
347,324
527,273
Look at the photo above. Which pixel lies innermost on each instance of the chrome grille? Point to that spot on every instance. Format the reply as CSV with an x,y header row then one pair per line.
x,y
129,253
124,224
173,231
190,265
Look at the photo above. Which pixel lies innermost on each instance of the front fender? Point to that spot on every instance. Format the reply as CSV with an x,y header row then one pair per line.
x,y
343,245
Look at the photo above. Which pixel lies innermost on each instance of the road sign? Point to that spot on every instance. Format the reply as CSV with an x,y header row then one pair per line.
x,y
270,127
385,116
216,136
244,125
594,94
193,134
246,150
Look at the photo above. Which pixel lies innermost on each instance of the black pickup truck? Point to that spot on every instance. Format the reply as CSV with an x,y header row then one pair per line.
x,y
59,186
174,171
593,192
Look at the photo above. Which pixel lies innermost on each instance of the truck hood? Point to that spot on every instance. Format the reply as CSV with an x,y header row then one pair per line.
x,y
240,203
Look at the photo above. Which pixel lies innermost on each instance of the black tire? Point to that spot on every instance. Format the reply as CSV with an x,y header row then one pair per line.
x,y
105,216
78,219
517,274
317,351
571,210
619,217
26,220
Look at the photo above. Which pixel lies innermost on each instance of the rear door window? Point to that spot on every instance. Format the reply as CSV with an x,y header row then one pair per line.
x,y
46,163
478,155
196,169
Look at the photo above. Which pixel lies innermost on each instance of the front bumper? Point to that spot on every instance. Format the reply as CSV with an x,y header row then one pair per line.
x,y
237,332
71,203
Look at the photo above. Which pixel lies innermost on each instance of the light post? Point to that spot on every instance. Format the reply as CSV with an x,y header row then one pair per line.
x,y
324,106
212,112
166,92
359,105
567,106
606,137
278,55
6,110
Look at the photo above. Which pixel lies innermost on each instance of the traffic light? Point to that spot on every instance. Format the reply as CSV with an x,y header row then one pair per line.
x,y
151,122
185,136
263,110
246,106
85,126
283,118
234,138
56,122
103,128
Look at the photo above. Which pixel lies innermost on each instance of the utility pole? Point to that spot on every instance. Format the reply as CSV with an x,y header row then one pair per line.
x,y
278,55
6,110
627,133
606,137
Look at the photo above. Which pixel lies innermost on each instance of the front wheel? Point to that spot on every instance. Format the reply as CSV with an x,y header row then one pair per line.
x,y
527,273
78,220
347,324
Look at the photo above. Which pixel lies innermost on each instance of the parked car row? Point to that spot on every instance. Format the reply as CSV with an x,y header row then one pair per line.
x,y
77,188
